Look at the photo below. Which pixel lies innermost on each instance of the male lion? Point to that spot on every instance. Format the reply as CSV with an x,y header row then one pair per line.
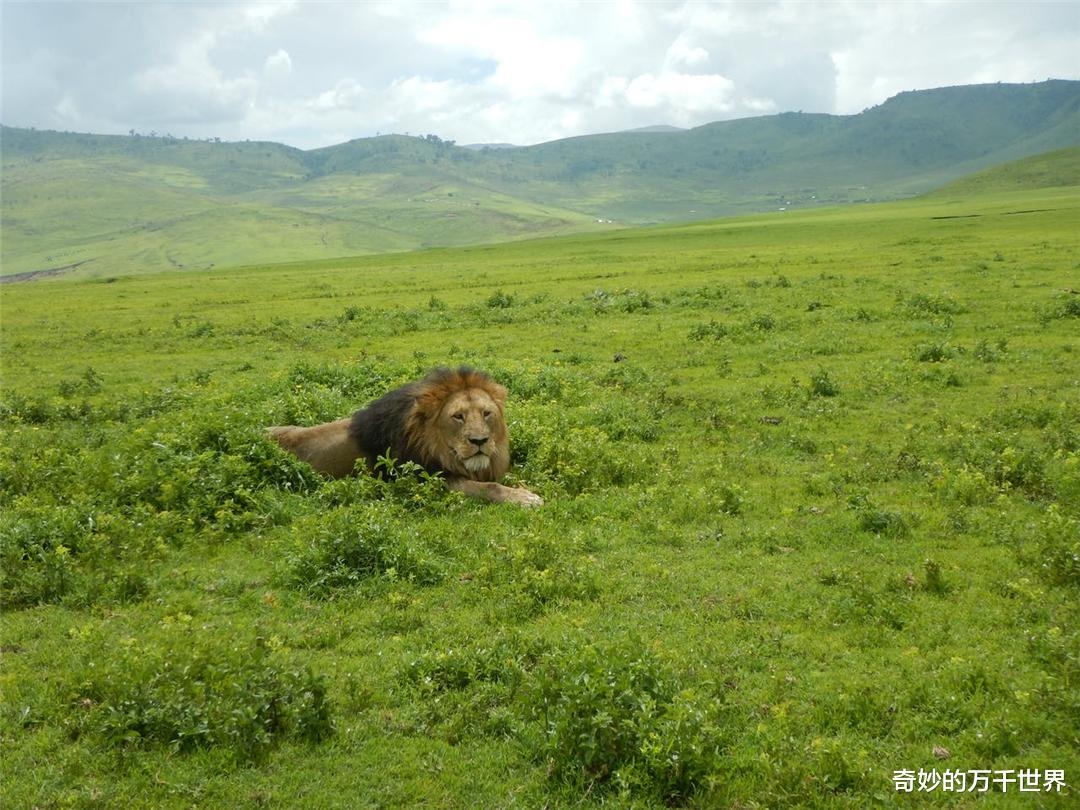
x,y
450,422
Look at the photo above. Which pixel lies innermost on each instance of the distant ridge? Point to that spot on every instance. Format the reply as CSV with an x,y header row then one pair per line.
x,y
657,128
138,203
480,146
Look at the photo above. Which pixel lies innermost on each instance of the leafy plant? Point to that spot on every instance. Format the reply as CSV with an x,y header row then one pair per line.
x,y
500,300
534,574
882,521
617,716
925,304
352,544
934,578
188,696
473,688
763,323
822,385
933,352
1059,549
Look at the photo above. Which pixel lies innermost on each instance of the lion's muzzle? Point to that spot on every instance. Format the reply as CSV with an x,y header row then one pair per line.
x,y
477,463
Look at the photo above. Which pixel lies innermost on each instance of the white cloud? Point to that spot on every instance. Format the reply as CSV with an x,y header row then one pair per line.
x,y
66,109
691,92
346,94
308,73
258,15
903,46
278,65
418,96
683,54
191,89
530,61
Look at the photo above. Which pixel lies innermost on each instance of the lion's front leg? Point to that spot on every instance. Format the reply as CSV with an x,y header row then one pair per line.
x,y
496,493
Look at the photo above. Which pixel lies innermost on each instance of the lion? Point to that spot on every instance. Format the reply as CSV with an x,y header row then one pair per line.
x,y
450,422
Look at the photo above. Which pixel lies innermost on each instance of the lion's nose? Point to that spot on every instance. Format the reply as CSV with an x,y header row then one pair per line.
x,y
479,441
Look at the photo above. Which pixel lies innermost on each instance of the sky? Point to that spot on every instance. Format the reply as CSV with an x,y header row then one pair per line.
x,y
313,74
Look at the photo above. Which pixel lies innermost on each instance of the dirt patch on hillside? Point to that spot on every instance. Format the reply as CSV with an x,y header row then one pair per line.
x,y
33,275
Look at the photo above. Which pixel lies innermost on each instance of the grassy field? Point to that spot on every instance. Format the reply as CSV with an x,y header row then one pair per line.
x,y
812,516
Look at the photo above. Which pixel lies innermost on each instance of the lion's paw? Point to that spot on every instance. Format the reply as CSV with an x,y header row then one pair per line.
x,y
522,497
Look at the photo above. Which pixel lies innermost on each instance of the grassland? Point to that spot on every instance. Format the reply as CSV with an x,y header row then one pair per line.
x,y
813,516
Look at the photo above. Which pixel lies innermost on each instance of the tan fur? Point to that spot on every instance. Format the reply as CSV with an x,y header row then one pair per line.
x,y
455,421
328,448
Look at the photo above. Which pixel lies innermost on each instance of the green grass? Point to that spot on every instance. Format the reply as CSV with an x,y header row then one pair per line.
x,y
812,488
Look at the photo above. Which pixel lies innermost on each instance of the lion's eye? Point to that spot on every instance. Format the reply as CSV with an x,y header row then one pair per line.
x,y
487,414
460,417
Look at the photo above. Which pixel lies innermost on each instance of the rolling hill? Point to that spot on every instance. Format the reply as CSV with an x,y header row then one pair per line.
x,y
1058,168
122,204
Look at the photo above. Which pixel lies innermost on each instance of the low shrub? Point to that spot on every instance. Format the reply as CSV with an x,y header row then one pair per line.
x,y
934,580
618,717
1066,307
473,689
457,668
500,300
923,304
551,446
727,499
38,548
625,418
544,382
1020,467
358,381
533,574
634,301
860,602
619,300
1057,649
349,545
762,323
187,696
822,385
933,352
989,352
709,331
967,486
882,521
1059,548
74,553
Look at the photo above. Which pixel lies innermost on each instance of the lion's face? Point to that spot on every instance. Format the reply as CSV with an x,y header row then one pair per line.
x,y
457,420
472,432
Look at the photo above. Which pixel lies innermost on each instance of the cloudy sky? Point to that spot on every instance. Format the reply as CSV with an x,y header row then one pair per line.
x,y
317,73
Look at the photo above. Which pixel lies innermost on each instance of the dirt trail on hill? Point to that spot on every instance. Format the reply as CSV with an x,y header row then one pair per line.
x,y
31,275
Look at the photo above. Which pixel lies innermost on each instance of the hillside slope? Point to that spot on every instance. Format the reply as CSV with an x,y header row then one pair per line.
x,y
1055,169
132,203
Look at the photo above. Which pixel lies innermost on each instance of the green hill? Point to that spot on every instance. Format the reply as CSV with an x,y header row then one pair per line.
x,y
133,203
1049,170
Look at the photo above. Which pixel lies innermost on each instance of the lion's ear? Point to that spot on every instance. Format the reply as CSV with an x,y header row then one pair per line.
x,y
498,393
426,407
